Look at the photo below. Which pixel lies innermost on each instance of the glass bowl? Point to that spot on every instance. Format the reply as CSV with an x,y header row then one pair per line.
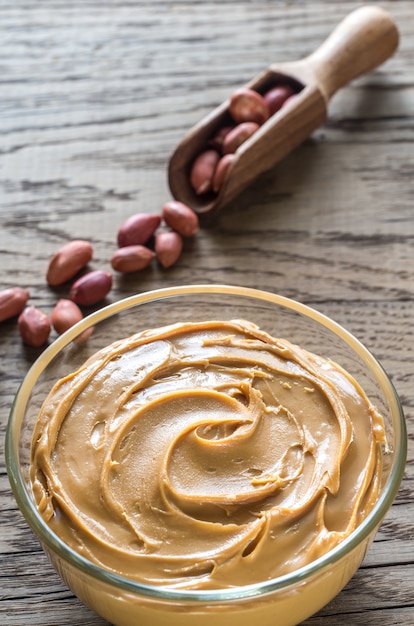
x,y
286,600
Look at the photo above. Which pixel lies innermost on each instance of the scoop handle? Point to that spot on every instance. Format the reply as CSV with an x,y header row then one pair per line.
x,y
363,40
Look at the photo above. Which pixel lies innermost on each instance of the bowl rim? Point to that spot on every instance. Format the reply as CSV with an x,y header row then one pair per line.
x,y
55,544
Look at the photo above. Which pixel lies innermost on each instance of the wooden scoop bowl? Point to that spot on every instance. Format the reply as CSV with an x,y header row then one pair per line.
x,y
362,41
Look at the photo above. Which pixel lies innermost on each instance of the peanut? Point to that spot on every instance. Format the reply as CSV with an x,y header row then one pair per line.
x,y
275,97
202,171
131,258
217,142
247,105
288,100
222,170
168,247
34,326
65,314
138,229
248,109
67,261
238,135
91,288
180,217
12,302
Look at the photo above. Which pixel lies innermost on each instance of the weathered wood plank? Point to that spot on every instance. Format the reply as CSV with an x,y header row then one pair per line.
x,y
94,95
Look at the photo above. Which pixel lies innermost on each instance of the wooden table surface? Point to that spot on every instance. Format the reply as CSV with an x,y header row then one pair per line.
x,y
94,96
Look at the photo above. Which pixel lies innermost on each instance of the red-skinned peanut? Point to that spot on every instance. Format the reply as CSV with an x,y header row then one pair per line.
x,y
247,105
34,326
202,171
137,229
289,100
180,217
12,302
68,261
217,142
65,314
91,288
276,97
222,171
239,135
168,247
131,258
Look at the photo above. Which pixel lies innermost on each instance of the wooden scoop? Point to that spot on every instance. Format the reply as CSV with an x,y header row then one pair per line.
x,y
361,42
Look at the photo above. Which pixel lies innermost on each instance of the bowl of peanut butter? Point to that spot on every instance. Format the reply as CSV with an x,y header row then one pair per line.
x,y
206,452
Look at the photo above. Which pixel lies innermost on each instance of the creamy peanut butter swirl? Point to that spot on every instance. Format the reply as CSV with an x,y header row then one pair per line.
x,y
206,455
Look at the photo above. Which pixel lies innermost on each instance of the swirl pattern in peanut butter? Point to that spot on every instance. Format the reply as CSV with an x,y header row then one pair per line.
x,y
206,455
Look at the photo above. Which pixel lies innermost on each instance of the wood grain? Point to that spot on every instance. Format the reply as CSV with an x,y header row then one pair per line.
x,y
94,97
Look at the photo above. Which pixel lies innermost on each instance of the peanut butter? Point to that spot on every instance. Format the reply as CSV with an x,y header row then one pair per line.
x,y
206,455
